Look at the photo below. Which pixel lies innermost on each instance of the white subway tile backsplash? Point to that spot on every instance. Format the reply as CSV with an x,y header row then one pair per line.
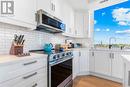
x,y
34,39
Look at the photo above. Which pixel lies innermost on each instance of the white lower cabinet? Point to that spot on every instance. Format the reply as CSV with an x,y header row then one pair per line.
x,y
91,61
108,63
102,63
33,73
84,62
32,79
80,62
117,65
75,63
126,74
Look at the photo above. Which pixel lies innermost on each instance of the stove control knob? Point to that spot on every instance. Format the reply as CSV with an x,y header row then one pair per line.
x,y
71,54
54,57
67,54
63,55
58,56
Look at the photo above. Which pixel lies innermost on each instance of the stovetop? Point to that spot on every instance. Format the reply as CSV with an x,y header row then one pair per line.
x,y
48,53
55,56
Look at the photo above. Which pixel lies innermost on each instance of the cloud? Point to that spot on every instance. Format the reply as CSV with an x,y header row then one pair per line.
x,y
122,23
103,13
122,16
107,29
95,21
123,32
98,29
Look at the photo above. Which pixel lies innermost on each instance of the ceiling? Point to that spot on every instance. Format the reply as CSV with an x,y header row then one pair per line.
x,y
79,4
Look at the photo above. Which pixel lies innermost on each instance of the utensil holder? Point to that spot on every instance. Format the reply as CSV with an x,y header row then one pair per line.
x,y
16,49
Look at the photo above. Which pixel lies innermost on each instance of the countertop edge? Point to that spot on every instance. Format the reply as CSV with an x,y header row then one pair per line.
x,y
9,59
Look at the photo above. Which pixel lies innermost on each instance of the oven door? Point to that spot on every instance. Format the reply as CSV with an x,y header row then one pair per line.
x,y
61,74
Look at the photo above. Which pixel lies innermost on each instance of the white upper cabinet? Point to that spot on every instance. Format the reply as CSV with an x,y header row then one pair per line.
x,y
86,25
68,18
56,8
53,7
24,14
44,5
81,24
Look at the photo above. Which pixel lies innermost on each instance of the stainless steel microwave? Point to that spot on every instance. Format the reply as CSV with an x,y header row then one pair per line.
x,y
49,23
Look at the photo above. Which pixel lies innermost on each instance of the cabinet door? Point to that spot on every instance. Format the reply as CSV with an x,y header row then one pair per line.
x,y
56,8
68,19
91,61
45,5
79,22
126,79
24,14
102,63
25,10
84,61
86,25
75,63
117,65
31,79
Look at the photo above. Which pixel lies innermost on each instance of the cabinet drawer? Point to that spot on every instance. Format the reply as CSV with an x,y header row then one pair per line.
x,y
37,78
11,71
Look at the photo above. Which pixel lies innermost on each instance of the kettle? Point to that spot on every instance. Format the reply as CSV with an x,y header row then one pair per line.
x,y
48,47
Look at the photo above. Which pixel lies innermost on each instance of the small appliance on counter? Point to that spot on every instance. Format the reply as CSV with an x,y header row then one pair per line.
x,y
76,45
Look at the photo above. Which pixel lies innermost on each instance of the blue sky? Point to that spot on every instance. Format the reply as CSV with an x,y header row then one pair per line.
x,y
113,21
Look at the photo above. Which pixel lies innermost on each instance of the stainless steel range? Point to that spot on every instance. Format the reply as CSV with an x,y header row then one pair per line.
x,y
60,69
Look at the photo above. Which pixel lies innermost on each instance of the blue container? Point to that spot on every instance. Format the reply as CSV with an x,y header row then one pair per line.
x,y
48,47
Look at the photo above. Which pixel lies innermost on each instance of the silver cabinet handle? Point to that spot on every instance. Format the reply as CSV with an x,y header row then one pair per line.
x,y
51,6
113,56
93,54
29,76
79,53
110,56
29,63
35,85
54,7
36,17
76,32
128,78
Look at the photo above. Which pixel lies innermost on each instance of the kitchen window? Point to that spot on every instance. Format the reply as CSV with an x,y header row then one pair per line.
x,y
112,26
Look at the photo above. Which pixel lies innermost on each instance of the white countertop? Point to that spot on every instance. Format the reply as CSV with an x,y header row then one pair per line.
x,y
4,59
126,58
114,50
80,48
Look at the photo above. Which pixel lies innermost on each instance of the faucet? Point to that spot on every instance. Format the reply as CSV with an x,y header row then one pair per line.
x,y
110,41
